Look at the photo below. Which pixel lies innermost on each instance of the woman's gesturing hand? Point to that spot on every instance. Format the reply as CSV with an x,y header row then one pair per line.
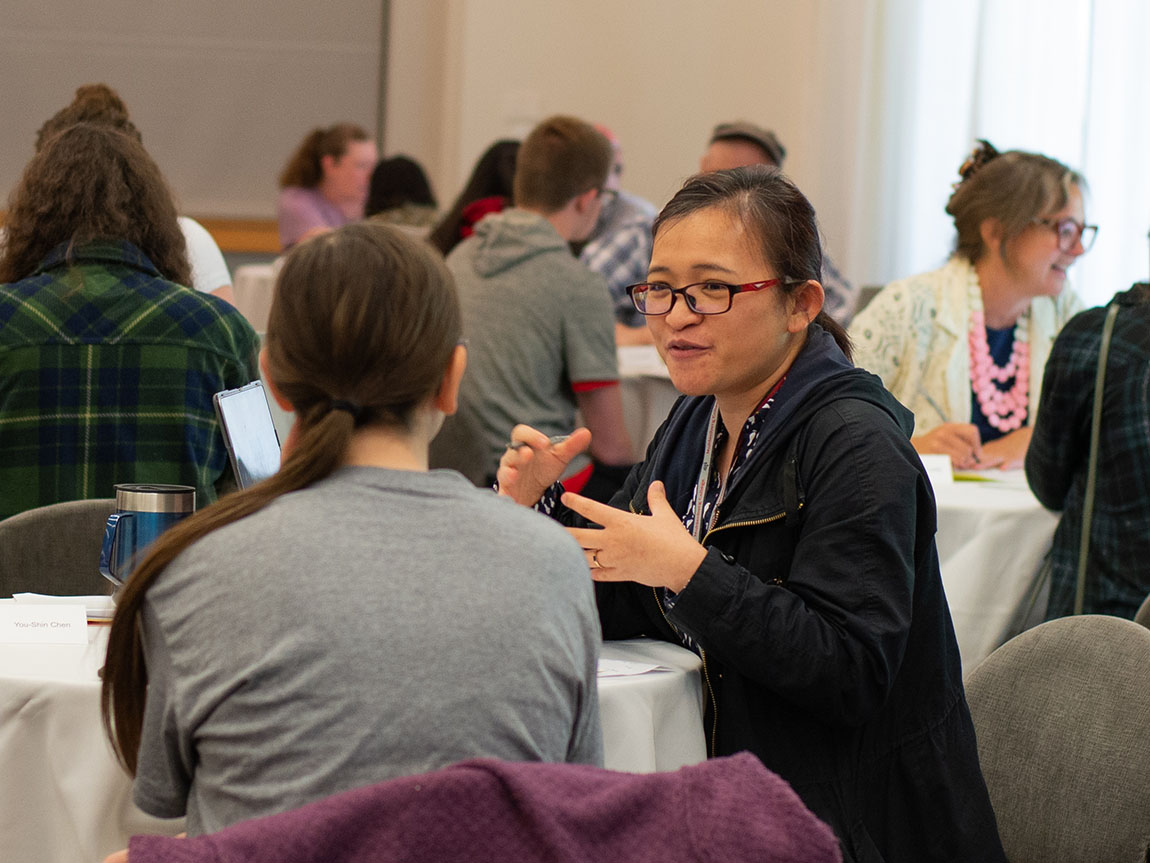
x,y
650,549
533,462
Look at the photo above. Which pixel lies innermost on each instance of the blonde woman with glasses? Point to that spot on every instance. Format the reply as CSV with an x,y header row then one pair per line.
x,y
964,346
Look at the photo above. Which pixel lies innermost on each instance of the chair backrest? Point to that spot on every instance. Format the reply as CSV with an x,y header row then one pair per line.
x,y
1062,714
726,810
1143,615
55,549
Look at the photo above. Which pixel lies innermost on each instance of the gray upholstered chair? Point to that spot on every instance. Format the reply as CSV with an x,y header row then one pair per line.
x,y
1143,615
1062,713
55,549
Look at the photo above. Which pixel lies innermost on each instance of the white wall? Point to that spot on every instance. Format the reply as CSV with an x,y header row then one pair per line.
x,y
223,92
660,73
417,75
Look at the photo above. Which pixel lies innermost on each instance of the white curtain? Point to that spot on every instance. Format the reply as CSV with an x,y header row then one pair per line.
x,y
1067,78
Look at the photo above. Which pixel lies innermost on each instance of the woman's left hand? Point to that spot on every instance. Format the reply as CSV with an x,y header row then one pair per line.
x,y
654,549
1007,452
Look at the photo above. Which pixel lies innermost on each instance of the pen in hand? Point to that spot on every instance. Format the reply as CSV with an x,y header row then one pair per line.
x,y
553,440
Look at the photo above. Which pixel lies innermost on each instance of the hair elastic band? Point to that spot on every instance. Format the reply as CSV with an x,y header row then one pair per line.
x,y
352,408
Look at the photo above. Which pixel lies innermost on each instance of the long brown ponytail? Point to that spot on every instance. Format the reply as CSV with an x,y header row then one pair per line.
x,y
305,167
364,315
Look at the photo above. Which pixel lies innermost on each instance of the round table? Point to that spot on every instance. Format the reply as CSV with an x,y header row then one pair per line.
x,y
992,537
63,796
652,721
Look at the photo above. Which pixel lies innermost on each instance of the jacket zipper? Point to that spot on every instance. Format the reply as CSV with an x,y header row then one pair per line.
x,y
702,656
702,652
706,676
750,523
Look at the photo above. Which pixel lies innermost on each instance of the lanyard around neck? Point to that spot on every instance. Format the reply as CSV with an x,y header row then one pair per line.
x,y
700,530
709,461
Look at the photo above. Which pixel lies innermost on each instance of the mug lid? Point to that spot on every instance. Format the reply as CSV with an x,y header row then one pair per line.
x,y
155,497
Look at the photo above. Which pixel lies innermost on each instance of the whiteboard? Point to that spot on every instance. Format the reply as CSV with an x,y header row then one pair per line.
x,y
222,91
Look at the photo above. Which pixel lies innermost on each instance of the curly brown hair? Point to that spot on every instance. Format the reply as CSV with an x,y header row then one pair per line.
x,y
93,103
90,182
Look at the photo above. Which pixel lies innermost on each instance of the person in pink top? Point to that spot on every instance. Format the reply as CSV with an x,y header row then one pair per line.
x,y
325,183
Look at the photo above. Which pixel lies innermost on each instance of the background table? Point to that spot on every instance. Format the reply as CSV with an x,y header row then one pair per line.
x,y
992,538
63,796
648,394
254,285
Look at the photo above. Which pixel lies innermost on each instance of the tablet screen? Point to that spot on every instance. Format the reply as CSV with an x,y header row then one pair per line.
x,y
249,433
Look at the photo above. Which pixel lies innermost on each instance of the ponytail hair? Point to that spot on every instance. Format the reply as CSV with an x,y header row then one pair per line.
x,y
305,167
775,213
362,327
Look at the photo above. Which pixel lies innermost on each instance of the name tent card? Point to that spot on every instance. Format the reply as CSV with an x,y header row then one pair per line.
x,y
22,623
938,469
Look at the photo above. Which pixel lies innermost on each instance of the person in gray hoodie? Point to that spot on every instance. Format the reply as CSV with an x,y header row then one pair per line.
x,y
539,325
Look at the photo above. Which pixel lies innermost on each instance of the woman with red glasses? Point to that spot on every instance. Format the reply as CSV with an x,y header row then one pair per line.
x,y
782,526
964,346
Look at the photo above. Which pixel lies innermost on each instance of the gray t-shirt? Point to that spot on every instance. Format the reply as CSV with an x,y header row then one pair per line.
x,y
378,624
539,325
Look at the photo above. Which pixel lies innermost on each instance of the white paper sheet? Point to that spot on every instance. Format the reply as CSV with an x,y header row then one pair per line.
x,y
625,668
97,607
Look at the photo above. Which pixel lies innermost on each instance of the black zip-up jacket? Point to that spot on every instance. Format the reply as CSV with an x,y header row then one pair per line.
x,y
828,646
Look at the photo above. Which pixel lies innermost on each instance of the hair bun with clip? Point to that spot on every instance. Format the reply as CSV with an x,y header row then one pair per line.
x,y
978,157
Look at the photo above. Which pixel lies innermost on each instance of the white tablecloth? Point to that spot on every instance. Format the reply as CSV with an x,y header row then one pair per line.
x,y
648,394
652,721
992,537
253,285
64,798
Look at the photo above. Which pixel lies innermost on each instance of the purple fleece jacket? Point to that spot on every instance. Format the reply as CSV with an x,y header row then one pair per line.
x,y
723,810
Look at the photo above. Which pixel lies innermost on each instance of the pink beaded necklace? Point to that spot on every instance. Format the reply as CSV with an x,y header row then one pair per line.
x,y
1004,409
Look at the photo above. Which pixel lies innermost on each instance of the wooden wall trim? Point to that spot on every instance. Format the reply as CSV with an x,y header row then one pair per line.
x,y
243,235
235,235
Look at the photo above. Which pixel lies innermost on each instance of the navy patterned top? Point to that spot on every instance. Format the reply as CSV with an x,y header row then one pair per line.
x,y
749,437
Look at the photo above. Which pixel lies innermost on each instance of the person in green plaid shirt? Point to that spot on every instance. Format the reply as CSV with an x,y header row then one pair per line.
x,y
107,364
